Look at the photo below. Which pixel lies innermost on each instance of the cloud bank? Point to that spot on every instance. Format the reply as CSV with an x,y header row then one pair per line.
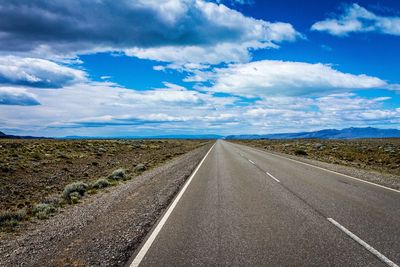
x,y
68,28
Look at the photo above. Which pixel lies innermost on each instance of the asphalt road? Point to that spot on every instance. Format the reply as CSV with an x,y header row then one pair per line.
x,y
246,207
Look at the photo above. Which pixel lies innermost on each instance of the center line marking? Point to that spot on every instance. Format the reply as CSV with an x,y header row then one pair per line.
x,y
270,175
252,162
364,244
139,257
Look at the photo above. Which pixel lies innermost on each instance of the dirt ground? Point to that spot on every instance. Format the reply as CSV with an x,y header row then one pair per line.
x,y
104,229
382,155
31,170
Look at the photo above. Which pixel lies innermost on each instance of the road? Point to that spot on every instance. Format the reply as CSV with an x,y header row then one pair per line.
x,y
247,207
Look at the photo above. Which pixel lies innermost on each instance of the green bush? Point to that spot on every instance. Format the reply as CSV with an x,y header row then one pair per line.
x,y
101,183
117,174
43,210
11,218
77,187
75,197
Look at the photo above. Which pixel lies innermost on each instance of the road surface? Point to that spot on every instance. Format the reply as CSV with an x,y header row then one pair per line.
x,y
246,207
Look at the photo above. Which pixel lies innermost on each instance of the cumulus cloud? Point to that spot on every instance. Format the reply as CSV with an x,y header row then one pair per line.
x,y
37,72
271,77
358,19
281,114
74,27
114,110
17,97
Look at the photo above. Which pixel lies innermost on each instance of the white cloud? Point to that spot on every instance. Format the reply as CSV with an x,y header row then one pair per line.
x,y
114,110
17,96
37,72
180,30
270,77
332,111
358,19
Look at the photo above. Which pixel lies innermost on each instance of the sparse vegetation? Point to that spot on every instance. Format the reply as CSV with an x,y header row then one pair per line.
x,y
43,210
57,172
10,219
77,189
117,174
372,154
140,167
101,183
74,197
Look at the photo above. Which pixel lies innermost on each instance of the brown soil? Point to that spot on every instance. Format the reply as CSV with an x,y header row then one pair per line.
x,y
31,170
104,229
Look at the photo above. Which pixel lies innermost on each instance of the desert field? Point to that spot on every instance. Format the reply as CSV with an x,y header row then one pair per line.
x,y
382,155
39,176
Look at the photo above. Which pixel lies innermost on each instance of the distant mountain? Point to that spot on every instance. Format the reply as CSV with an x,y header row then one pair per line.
x,y
8,136
347,133
204,136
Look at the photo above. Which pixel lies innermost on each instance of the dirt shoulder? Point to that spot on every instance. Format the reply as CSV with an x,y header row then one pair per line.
x,y
106,228
373,160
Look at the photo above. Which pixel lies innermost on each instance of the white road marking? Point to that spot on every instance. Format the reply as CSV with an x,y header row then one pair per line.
x,y
364,244
345,175
139,257
270,175
252,162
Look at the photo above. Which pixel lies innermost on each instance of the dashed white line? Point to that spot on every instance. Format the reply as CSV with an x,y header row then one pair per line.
x,y
364,244
270,175
252,162
342,174
139,257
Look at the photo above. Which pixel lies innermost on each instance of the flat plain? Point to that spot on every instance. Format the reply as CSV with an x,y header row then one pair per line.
x,y
37,171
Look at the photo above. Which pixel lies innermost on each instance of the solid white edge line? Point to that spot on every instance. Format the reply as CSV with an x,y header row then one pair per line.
x,y
270,175
139,257
364,244
252,162
345,175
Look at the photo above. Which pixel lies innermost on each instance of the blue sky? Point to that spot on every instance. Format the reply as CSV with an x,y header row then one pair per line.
x,y
155,67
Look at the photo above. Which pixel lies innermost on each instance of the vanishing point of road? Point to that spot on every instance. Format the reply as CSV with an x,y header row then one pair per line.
x,y
247,207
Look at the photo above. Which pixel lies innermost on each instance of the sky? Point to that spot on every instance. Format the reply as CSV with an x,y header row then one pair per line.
x,y
172,67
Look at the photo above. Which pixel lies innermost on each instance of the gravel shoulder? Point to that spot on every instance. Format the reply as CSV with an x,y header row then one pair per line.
x,y
106,228
389,180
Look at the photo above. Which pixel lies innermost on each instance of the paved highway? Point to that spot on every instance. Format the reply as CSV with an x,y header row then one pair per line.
x,y
246,207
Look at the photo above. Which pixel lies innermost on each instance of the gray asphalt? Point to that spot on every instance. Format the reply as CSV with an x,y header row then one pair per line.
x,y
234,214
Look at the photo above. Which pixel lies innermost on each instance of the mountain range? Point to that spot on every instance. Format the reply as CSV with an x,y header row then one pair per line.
x,y
347,133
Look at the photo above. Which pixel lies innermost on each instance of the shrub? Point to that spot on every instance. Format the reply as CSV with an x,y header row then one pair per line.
x,y
117,174
11,218
101,183
300,152
140,167
43,210
75,197
77,187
